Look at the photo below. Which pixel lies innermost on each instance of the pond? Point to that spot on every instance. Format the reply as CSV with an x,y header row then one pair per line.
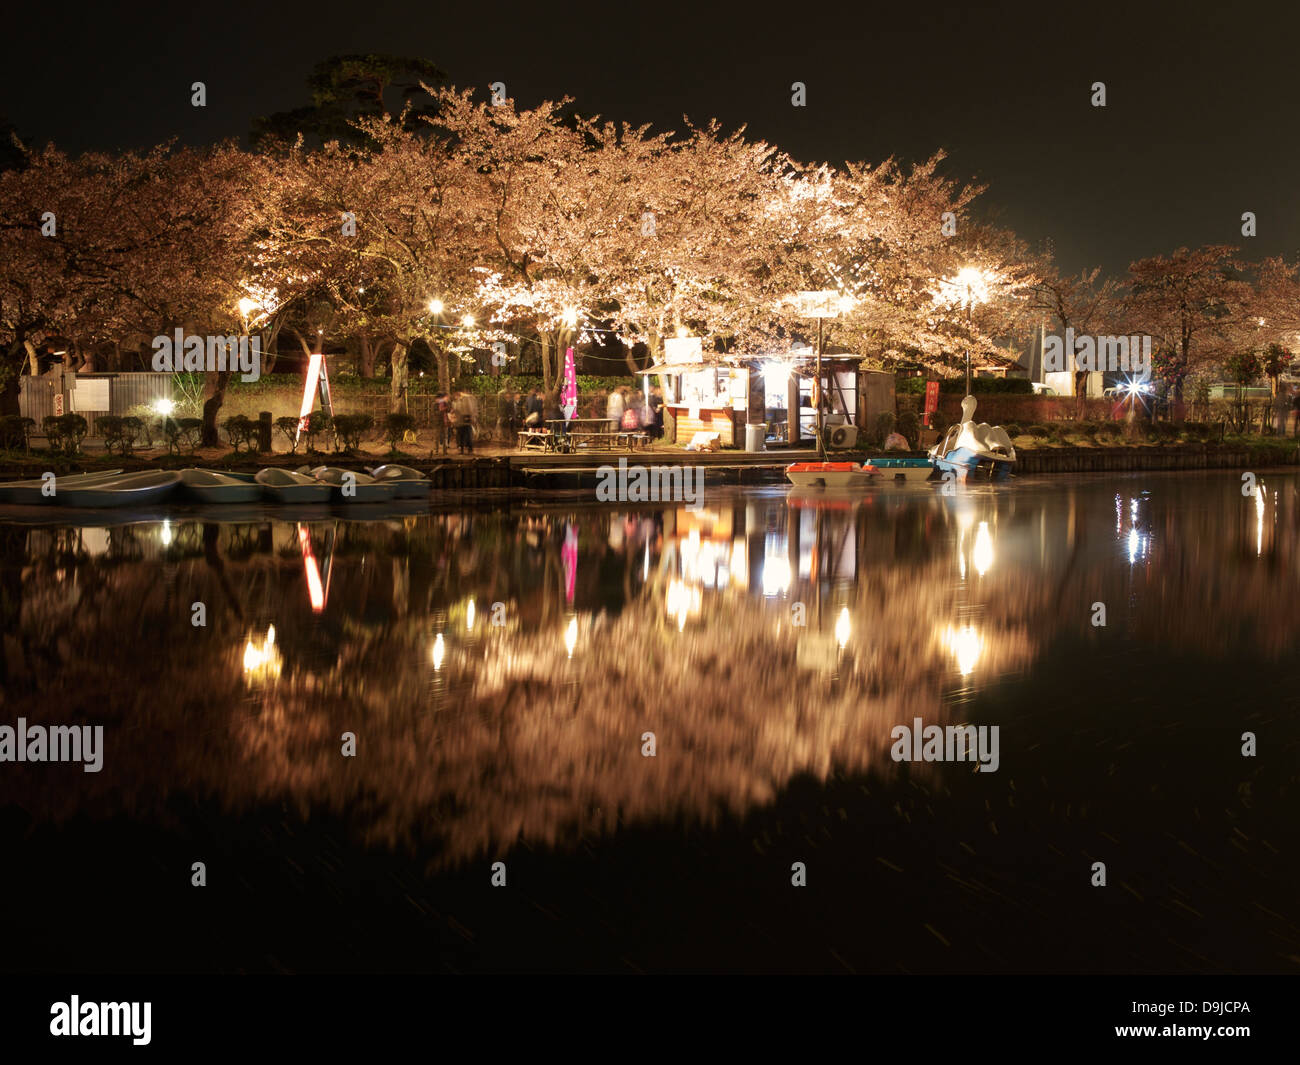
x,y
676,727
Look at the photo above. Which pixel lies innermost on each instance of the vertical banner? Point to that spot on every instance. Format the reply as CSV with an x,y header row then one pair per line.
x,y
308,392
569,394
931,399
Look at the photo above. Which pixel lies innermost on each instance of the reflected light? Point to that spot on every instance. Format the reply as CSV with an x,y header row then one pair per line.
x,y
1132,545
1259,519
469,616
776,575
439,651
166,533
983,555
571,636
843,627
262,661
966,645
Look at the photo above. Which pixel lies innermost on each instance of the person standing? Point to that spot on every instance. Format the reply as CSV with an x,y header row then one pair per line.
x,y
533,409
441,421
466,419
615,407
656,407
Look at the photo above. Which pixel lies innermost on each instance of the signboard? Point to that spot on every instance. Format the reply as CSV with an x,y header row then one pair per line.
x,y
58,404
90,395
824,303
931,399
683,350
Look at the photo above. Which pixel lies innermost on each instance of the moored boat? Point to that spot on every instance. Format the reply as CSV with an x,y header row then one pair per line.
x,y
125,490
347,486
212,486
36,493
287,486
407,483
968,448
906,467
829,474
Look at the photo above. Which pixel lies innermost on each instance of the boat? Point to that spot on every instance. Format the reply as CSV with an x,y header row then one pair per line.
x,y
968,448
901,466
829,474
238,475
28,493
409,483
125,490
362,489
212,486
287,486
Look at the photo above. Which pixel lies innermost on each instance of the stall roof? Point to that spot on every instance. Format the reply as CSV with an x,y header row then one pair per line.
x,y
673,368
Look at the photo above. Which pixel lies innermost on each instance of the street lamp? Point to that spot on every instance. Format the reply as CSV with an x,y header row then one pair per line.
x,y
435,306
969,287
821,304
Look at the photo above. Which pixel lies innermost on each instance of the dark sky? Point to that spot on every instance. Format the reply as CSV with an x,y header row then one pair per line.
x,y
1198,125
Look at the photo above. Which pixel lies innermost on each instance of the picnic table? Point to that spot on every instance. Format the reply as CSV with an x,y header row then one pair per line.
x,y
541,440
603,433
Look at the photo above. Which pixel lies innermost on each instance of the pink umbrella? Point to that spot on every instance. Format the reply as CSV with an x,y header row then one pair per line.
x,y
569,394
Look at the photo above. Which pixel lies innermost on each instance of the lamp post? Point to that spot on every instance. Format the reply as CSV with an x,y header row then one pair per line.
x,y
970,286
821,305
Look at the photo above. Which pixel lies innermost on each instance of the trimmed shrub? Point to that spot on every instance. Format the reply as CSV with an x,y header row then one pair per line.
x,y
397,426
16,432
318,423
884,426
65,432
240,430
288,426
909,425
1039,432
182,434
1013,430
348,430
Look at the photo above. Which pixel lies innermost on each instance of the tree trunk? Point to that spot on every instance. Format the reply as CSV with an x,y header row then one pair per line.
x,y
9,379
214,395
547,376
400,377
444,372
369,355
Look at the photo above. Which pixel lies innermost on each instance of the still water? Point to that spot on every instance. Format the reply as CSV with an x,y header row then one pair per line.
x,y
501,666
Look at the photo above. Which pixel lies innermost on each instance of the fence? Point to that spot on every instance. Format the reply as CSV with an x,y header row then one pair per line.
x,y
36,395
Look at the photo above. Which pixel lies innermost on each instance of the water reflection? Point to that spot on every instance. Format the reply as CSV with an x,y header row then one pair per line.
x,y
764,636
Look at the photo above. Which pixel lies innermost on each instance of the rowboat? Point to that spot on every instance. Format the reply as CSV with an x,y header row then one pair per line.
x,y
28,493
286,486
349,487
408,483
211,486
910,469
125,490
829,474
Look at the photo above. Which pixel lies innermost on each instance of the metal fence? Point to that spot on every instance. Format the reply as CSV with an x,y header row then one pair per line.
x,y
36,395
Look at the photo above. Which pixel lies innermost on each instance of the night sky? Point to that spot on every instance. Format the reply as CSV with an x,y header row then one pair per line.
x,y
1197,127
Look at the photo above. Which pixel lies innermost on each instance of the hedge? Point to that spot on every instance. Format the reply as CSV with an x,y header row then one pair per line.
x,y
1013,386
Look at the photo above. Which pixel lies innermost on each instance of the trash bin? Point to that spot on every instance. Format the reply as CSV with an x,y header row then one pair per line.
x,y
755,437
